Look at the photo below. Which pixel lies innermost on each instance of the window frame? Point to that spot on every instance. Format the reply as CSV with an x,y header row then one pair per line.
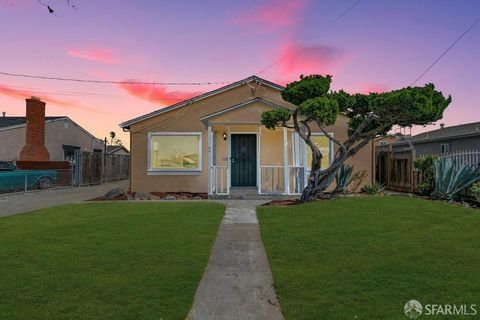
x,y
176,171
330,147
444,146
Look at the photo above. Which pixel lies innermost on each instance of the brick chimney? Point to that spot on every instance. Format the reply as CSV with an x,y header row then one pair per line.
x,y
34,148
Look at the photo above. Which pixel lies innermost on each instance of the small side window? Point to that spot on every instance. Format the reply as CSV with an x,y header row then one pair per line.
x,y
444,148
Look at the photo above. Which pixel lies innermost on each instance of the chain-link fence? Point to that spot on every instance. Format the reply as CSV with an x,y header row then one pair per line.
x,y
86,168
23,181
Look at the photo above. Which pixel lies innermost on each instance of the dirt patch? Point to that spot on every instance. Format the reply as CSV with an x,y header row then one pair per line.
x,y
282,203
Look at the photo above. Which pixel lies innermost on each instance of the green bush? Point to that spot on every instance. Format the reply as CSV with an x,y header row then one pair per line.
x,y
374,188
475,190
425,168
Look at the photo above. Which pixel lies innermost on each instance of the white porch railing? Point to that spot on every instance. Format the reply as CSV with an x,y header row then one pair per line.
x,y
272,180
219,179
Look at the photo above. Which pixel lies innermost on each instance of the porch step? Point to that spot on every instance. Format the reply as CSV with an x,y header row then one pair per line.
x,y
240,193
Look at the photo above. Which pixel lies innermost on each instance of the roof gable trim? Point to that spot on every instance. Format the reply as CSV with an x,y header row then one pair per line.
x,y
205,119
127,124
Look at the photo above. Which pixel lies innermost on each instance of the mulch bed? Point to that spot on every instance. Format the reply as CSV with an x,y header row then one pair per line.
x,y
160,195
181,195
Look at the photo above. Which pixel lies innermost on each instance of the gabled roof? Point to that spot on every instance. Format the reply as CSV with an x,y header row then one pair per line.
x,y
15,121
127,124
8,123
453,132
112,149
205,119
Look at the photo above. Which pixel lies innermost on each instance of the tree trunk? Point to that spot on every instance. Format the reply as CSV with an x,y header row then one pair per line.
x,y
316,184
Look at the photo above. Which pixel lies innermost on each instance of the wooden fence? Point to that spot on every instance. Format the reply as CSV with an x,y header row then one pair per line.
x,y
394,169
90,168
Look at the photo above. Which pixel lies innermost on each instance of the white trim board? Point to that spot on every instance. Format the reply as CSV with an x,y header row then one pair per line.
x,y
152,171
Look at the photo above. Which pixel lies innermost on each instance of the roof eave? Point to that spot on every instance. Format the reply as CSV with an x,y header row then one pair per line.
x,y
127,124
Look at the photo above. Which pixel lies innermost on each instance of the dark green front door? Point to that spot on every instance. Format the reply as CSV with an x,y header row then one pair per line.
x,y
244,160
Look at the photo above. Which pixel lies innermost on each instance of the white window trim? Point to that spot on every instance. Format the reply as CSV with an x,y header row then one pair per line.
x,y
153,171
330,146
445,147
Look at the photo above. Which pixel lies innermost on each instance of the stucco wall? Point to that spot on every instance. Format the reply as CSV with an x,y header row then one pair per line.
x,y
57,134
187,119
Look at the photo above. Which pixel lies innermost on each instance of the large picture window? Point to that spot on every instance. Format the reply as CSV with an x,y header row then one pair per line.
x,y
176,151
323,143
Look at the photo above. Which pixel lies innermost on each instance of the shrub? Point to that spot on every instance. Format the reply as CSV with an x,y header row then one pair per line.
x,y
475,190
343,178
427,180
449,180
374,188
357,180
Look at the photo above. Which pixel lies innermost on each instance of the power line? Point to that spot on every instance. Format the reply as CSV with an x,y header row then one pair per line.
x,y
344,13
63,92
448,49
112,81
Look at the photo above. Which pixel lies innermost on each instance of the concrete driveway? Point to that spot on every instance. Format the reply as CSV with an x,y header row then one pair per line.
x,y
15,204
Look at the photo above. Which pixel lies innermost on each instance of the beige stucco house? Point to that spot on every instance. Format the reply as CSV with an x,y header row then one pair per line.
x,y
215,143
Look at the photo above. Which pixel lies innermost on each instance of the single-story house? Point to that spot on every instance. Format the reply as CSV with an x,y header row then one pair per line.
x,y
457,138
46,138
117,150
215,143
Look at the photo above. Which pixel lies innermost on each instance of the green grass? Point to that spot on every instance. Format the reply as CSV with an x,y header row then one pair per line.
x,y
105,260
364,258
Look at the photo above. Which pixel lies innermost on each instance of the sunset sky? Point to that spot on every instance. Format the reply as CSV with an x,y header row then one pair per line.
x,y
377,46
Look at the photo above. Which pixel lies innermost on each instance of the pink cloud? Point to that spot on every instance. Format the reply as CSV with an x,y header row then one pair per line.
x,y
273,15
157,93
372,87
300,59
94,54
23,94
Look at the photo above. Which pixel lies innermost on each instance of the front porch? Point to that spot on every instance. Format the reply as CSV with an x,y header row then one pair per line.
x,y
250,160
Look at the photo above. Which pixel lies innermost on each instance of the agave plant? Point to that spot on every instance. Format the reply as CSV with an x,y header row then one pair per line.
x,y
374,188
450,179
343,178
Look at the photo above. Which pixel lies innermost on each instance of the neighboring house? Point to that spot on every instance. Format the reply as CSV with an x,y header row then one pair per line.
x,y
215,143
117,150
62,136
444,140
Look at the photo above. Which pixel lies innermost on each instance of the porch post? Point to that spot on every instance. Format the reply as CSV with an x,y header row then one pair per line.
x,y
229,162
210,159
303,161
286,171
259,169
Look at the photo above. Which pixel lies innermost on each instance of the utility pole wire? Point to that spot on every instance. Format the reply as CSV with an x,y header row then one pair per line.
x,y
111,81
448,49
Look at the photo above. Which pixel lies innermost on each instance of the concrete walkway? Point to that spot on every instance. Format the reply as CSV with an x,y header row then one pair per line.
x,y
15,204
237,283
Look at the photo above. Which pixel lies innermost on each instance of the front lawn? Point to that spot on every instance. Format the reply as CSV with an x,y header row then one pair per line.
x,y
365,257
105,261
